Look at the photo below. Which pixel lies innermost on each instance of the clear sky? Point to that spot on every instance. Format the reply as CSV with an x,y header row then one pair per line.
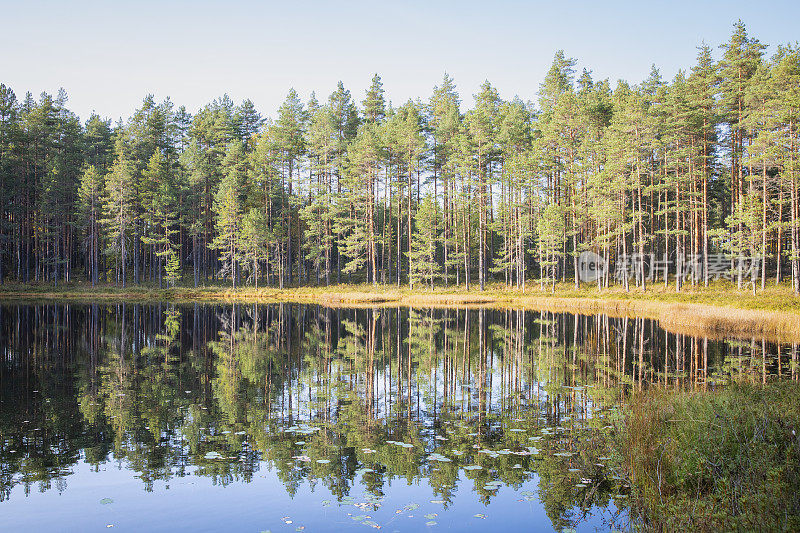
x,y
108,55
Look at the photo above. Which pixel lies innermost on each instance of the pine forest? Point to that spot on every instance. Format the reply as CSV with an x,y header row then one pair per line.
x,y
664,178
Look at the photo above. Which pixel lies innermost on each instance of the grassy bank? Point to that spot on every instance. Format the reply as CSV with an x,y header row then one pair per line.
x,y
726,460
719,309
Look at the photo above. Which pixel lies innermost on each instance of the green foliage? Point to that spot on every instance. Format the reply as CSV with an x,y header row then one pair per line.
x,y
424,244
703,164
718,460
228,208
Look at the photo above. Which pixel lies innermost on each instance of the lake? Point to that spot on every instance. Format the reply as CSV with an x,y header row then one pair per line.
x,y
289,417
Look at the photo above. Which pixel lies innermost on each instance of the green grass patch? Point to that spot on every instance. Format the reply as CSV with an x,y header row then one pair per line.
x,y
715,460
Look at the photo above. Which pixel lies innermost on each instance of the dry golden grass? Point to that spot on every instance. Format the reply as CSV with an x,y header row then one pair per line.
x,y
715,311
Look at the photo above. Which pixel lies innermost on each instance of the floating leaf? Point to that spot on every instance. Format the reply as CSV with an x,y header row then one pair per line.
x,y
430,523
480,515
106,501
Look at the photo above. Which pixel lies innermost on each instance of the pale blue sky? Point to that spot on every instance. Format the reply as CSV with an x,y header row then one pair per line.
x,y
109,55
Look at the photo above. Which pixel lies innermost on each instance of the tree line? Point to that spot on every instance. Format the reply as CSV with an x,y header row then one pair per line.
x,y
674,174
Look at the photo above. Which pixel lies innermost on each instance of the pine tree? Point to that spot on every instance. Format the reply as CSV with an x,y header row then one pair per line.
x,y
119,210
289,134
9,162
481,123
550,230
90,195
318,213
424,242
786,105
159,211
253,242
445,120
374,103
228,210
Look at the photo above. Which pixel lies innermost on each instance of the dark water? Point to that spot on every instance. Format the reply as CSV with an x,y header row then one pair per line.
x,y
282,417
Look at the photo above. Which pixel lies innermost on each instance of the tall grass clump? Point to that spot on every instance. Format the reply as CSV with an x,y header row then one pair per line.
x,y
723,460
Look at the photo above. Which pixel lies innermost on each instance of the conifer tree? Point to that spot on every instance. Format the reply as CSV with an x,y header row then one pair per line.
x,y
90,196
424,241
228,210
119,211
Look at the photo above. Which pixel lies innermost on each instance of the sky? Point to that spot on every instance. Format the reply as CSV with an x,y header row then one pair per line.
x,y
108,55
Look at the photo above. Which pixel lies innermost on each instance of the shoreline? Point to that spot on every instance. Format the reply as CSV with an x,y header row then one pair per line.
x,y
715,312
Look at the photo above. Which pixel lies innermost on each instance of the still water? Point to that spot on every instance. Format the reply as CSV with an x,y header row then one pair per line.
x,y
288,417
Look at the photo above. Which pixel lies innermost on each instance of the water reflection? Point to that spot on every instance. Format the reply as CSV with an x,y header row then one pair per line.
x,y
463,401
